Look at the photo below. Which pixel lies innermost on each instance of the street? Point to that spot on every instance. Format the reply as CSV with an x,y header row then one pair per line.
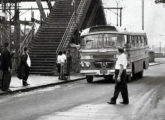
x,y
82,101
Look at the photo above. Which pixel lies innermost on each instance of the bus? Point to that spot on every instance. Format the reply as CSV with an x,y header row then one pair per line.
x,y
99,47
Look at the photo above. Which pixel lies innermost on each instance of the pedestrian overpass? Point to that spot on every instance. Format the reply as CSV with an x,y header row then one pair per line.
x,y
60,29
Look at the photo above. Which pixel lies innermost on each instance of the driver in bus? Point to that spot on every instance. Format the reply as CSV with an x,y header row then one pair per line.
x,y
120,78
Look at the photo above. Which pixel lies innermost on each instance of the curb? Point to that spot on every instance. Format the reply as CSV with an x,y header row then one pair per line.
x,y
39,87
157,64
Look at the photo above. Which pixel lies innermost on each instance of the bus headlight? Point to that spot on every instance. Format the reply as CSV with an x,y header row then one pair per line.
x,y
82,64
87,64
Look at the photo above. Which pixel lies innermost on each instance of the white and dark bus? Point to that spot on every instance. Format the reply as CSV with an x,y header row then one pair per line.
x,y
98,51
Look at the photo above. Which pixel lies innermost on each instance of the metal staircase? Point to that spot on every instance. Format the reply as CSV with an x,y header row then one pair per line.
x,y
55,34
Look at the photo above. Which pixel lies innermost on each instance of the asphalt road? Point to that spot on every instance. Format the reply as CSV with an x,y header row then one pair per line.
x,y
83,101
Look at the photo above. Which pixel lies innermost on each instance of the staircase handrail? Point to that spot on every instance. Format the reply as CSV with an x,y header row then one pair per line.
x,y
27,39
70,25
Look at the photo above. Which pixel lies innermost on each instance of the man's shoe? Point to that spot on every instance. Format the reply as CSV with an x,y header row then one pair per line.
x,y
124,103
7,90
111,102
26,84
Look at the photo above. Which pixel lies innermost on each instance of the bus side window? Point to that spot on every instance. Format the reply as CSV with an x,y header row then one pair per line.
x,y
140,38
143,41
137,41
128,43
133,41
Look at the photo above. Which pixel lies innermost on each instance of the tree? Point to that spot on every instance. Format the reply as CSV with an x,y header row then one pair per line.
x,y
159,1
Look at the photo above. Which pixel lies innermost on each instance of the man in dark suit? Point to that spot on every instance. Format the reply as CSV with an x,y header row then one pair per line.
x,y
25,66
6,67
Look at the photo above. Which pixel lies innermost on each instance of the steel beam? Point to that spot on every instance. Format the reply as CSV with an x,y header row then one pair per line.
x,y
25,8
13,1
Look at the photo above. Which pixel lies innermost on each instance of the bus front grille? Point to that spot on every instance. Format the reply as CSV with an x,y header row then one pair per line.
x,y
104,64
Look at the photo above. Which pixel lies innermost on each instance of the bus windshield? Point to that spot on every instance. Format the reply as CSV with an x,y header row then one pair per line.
x,y
102,41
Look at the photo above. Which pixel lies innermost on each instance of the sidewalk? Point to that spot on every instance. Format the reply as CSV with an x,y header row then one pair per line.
x,y
157,61
37,81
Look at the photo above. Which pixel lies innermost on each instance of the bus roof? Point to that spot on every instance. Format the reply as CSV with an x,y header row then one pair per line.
x,y
108,29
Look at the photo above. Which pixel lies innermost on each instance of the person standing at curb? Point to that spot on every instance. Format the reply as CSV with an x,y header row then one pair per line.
x,y
68,64
64,67
6,65
25,65
59,60
120,78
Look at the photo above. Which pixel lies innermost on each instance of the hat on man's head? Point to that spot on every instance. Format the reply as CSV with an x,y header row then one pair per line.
x,y
121,49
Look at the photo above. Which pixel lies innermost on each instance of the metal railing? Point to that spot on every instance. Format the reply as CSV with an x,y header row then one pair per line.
x,y
27,40
72,25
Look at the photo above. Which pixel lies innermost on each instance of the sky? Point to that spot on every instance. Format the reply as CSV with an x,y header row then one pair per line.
x,y
154,17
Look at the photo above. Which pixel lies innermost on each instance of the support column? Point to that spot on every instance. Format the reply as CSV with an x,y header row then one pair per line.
x,y
15,43
43,15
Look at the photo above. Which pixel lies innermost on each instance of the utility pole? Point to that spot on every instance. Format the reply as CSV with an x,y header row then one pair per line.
x,y
160,49
142,14
120,17
117,12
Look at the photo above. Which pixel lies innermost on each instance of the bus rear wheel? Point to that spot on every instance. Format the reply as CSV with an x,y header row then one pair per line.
x,y
89,79
140,74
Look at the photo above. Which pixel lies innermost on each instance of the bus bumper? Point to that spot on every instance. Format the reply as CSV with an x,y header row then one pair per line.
x,y
101,72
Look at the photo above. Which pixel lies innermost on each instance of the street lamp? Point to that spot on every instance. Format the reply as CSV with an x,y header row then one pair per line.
x,y
161,43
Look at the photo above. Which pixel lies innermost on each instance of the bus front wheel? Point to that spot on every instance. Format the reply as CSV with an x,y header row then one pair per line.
x,y
89,79
129,77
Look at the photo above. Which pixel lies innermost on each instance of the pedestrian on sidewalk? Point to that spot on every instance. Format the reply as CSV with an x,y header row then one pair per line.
x,y
64,65
1,73
59,61
64,56
6,65
25,65
68,64
120,78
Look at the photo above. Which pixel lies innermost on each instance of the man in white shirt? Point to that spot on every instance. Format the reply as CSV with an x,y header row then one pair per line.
x,y
61,60
120,78
60,63
64,56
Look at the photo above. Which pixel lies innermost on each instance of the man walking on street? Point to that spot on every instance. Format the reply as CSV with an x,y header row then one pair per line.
x,y
6,67
120,78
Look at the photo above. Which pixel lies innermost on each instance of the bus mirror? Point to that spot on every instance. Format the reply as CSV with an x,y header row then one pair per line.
x,y
75,46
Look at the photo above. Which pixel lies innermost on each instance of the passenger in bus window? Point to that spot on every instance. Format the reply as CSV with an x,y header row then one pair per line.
x,y
120,78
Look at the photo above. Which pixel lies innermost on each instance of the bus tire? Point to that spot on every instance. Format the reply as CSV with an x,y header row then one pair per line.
x,y
109,78
89,79
134,75
140,74
128,77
